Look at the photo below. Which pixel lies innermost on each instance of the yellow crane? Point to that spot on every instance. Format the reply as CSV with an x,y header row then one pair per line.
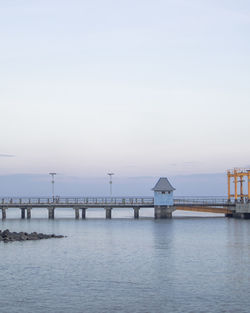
x,y
238,175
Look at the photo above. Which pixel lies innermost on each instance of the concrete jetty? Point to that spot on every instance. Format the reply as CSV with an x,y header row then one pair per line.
x,y
163,202
82,205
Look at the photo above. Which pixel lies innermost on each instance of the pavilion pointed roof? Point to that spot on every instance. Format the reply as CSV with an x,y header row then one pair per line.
x,y
163,184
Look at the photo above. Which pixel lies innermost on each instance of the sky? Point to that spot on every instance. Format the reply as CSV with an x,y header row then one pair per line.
x,y
35,185
140,88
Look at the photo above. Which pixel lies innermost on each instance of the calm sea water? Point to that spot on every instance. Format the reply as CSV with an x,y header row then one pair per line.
x,y
187,264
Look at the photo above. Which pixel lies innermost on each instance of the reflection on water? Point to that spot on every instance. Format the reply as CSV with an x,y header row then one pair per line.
x,y
187,264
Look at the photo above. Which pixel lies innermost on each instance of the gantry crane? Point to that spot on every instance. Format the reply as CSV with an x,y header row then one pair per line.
x,y
238,175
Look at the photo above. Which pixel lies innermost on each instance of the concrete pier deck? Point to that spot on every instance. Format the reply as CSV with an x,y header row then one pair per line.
x,y
81,204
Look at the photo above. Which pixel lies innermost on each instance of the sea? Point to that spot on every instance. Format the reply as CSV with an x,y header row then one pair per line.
x,y
194,262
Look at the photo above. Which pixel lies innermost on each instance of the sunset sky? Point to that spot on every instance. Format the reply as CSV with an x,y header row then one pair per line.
x,y
140,88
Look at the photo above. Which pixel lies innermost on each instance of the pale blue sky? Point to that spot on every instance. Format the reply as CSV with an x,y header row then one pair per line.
x,y
40,185
141,88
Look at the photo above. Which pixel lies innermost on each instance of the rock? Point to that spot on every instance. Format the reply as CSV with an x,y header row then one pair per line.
x,y
7,236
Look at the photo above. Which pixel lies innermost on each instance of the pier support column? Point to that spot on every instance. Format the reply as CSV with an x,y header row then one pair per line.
x,y
136,212
245,216
51,213
3,213
22,213
163,212
242,210
108,213
28,213
84,213
77,213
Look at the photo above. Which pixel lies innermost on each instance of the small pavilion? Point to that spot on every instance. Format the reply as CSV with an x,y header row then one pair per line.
x,y
163,198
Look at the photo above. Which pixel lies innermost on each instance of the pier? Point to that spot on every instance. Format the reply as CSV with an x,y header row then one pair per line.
x,y
163,202
81,205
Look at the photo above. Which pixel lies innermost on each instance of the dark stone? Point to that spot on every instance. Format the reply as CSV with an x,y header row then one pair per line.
x,y
7,236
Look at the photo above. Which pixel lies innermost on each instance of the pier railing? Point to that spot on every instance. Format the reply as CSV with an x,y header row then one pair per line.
x,y
110,201
203,201
123,201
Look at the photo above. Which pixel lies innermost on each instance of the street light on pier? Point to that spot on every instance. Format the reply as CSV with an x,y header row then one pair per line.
x,y
53,184
110,183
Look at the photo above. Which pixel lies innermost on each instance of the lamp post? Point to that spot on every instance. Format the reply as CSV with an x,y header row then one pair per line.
x,y
53,184
110,183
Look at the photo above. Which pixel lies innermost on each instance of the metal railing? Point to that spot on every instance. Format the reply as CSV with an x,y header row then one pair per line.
x,y
112,201
80,201
202,201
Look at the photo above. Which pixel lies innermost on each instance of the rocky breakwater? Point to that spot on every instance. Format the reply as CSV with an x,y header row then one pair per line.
x,y
7,236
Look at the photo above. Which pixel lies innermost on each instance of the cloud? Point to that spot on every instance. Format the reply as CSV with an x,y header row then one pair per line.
x,y
3,155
